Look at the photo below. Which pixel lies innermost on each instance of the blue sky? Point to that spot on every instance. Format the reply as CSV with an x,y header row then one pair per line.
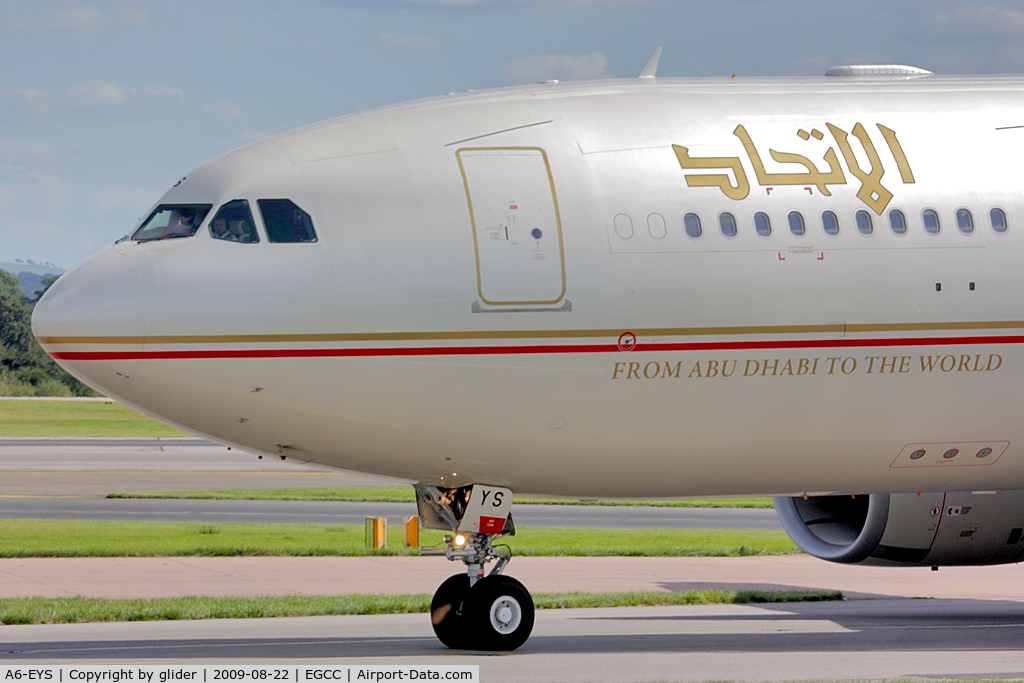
x,y
104,105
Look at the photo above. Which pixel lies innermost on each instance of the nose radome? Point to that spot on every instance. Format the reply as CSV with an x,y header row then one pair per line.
x,y
92,319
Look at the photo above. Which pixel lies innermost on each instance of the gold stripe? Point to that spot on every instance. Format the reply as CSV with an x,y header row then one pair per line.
x,y
480,335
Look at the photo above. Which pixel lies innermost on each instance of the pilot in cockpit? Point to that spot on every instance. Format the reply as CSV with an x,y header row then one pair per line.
x,y
181,226
222,231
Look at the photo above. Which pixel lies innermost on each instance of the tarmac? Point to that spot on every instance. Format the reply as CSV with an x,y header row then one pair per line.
x,y
274,576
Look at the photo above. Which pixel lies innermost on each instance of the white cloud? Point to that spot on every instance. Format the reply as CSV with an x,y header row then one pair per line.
x,y
35,99
411,42
36,149
535,68
78,19
35,229
18,183
1002,20
158,91
116,197
63,20
223,109
100,91
103,92
134,16
30,94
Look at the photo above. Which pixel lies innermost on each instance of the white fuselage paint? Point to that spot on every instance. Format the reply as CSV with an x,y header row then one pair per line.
x,y
415,339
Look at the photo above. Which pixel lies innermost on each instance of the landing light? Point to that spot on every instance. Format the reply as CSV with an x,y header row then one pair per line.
x,y
460,540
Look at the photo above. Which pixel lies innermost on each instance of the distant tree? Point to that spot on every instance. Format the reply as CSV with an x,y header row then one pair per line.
x,y
15,322
22,360
45,284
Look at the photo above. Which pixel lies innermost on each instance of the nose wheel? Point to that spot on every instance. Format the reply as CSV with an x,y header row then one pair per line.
x,y
495,614
471,611
446,611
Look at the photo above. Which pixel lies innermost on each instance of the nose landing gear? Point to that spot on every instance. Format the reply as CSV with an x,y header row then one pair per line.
x,y
471,611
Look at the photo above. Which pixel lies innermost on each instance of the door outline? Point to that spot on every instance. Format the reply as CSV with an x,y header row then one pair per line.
x,y
472,221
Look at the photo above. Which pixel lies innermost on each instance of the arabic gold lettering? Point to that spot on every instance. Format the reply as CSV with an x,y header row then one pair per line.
x,y
897,153
818,135
803,134
720,180
813,176
871,191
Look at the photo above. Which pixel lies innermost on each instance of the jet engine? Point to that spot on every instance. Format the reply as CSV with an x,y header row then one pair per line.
x,y
908,529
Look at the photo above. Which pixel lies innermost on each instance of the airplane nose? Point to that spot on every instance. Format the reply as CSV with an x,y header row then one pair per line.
x,y
92,319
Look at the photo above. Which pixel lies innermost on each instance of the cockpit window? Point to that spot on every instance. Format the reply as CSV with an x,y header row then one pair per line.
x,y
172,220
234,223
286,222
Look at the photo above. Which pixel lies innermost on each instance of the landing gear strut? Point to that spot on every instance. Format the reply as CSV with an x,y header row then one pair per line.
x,y
471,611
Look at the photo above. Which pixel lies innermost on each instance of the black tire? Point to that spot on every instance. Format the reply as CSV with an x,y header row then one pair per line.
x,y
446,611
498,612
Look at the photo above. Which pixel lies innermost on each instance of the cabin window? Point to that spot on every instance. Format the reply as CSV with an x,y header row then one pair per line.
x,y
964,221
997,217
830,223
762,224
931,221
172,220
655,226
865,226
233,223
796,223
727,224
897,222
691,225
623,226
286,222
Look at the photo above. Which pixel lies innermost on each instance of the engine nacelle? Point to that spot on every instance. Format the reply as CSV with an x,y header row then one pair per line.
x,y
907,529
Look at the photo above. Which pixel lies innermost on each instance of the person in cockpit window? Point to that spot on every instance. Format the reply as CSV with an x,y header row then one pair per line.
x,y
181,226
221,231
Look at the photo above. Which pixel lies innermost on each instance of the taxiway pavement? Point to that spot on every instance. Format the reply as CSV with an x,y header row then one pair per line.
x,y
861,639
970,625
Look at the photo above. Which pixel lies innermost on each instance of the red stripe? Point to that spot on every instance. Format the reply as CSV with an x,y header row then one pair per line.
x,y
533,349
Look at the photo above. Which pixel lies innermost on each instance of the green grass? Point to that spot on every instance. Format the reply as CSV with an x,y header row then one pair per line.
x,y
73,610
405,494
57,419
50,538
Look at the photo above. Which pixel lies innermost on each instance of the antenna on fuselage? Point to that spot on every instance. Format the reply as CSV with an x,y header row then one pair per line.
x,y
651,68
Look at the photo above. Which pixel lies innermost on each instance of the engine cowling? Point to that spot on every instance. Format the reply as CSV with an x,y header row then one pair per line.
x,y
908,529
